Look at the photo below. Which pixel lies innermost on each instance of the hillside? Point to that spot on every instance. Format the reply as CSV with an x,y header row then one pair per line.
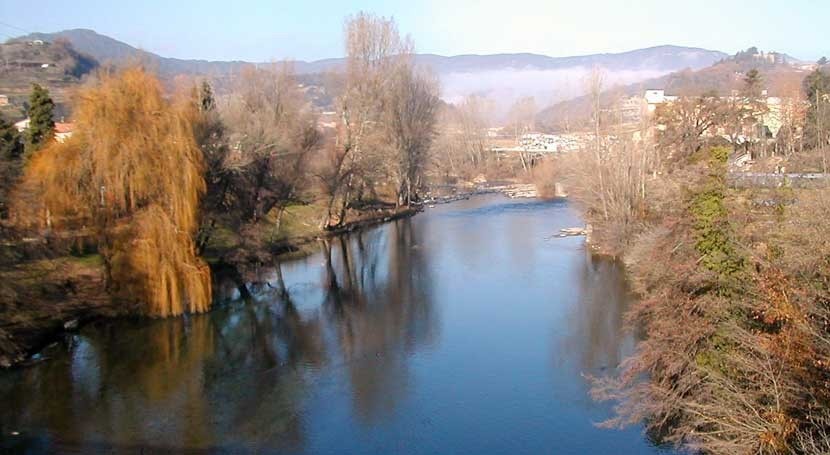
x,y
109,50
782,76
55,65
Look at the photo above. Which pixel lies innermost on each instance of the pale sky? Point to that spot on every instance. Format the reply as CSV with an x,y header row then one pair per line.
x,y
262,30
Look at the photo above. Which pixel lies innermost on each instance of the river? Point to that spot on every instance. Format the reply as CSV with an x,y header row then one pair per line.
x,y
465,329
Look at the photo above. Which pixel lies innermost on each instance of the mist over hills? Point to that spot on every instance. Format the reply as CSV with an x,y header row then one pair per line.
x,y
781,74
501,77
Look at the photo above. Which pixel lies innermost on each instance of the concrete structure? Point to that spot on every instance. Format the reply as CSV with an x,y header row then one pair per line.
x,y
655,98
542,144
773,119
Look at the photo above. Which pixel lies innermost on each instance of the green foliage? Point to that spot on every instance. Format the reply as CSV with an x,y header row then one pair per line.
x,y
713,239
42,125
11,150
716,356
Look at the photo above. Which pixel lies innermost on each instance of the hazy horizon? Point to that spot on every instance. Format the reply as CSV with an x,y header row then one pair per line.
x,y
260,31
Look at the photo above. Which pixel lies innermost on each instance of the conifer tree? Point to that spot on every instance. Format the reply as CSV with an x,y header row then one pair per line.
x,y
11,151
41,122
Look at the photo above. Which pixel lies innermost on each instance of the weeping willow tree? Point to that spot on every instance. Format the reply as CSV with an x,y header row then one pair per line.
x,y
134,173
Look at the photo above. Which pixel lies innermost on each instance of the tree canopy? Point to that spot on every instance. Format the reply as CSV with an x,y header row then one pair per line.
x,y
41,123
132,169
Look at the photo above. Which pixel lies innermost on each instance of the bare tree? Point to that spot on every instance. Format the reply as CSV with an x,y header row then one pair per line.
x,y
410,121
522,120
271,132
462,143
686,125
595,85
356,161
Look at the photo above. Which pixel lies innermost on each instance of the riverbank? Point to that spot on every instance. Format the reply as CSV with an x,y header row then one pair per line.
x,y
62,294
54,297
731,302
65,293
387,324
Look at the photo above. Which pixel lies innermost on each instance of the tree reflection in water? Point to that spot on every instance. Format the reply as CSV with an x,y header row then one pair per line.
x,y
596,329
241,374
380,319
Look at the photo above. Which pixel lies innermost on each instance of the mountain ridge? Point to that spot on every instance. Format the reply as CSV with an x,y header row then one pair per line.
x,y
663,57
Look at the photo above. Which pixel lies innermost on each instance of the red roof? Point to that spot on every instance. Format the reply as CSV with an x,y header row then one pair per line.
x,y
64,127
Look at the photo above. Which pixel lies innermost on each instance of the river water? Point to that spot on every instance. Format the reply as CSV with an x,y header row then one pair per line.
x,y
465,329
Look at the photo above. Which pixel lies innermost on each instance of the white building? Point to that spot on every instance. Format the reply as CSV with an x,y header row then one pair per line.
x,y
63,130
655,98
22,125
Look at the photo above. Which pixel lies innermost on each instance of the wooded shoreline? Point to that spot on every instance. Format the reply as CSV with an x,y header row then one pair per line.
x,y
77,296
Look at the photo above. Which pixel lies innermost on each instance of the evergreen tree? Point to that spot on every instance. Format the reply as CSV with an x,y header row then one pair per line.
x,y
753,84
41,123
11,150
11,147
822,61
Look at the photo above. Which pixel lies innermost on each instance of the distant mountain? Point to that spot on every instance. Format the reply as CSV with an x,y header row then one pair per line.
x,y
666,58
501,77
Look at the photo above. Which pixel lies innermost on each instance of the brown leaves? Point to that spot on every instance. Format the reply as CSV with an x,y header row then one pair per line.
x,y
134,171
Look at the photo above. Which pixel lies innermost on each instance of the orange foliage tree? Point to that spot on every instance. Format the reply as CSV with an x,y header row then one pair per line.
x,y
133,172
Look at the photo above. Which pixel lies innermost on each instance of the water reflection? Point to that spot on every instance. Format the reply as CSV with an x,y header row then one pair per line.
x,y
596,331
210,380
426,335
379,318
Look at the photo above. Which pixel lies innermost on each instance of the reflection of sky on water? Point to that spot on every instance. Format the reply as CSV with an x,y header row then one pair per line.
x,y
464,329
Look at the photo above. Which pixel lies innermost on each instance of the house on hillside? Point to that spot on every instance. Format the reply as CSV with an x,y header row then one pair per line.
x,y
22,125
63,131
655,98
4,100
